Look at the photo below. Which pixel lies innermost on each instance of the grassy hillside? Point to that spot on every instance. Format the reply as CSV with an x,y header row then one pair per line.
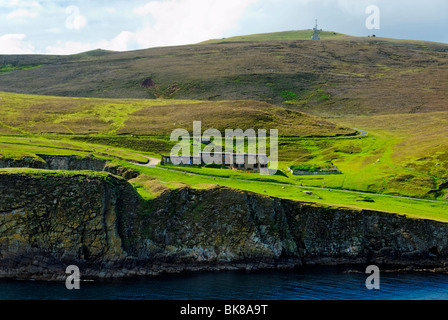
x,y
19,147
275,36
402,154
336,78
409,159
32,114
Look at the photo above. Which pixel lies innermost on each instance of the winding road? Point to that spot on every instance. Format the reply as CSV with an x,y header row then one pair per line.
x,y
362,133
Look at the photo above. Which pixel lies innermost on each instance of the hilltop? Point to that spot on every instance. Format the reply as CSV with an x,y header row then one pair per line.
x,y
338,77
274,36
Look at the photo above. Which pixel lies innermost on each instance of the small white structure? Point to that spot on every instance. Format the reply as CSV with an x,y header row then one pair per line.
x,y
316,33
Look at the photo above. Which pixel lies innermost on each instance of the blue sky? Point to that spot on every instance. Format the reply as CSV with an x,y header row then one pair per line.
x,y
73,26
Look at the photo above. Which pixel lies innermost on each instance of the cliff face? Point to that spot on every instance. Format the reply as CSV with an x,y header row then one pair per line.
x,y
50,162
50,220
222,226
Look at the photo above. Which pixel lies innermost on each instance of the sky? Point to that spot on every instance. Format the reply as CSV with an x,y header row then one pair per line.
x,y
73,26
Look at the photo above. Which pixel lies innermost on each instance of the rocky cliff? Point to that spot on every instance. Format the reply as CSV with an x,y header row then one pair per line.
x,y
54,162
97,221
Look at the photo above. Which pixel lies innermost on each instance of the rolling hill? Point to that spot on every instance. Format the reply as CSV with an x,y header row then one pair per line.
x,y
339,77
33,114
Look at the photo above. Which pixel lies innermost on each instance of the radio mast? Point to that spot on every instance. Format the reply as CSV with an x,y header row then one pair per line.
x,y
316,34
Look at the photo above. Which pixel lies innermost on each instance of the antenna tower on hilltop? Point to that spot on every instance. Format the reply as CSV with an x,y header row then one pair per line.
x,y
316,34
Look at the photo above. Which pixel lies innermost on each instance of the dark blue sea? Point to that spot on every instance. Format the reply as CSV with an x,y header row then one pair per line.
x,y
273,285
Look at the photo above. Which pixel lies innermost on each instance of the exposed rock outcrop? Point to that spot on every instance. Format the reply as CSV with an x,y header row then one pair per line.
x,y
49,220
68,163
97,221
54,162
224,226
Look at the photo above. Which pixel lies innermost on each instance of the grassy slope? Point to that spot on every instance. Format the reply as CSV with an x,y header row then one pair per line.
x,y
13,147
339,77
392,159
373,164
279,36
31,114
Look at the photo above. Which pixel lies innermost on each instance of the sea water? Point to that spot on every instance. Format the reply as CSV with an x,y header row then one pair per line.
x,y
274,285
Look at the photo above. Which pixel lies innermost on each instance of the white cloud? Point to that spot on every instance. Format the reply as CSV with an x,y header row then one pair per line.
x,y
119,43
9,3
177,22
20,3
54,30
170,22
22,13
69,47
355,8
110,10
15,44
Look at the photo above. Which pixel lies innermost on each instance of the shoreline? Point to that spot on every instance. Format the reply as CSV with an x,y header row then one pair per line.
x,y
92,275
